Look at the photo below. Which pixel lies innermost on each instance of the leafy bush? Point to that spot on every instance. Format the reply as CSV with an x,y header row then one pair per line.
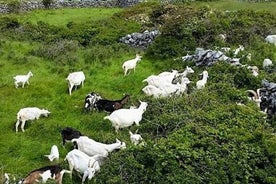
x,y
13,6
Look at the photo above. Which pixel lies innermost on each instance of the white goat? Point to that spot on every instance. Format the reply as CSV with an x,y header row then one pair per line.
x,y
54,154
161,79
22,79
271,39
154,91
83,163
236,51
91,147
267,63
254,69
177,89
75,79
222,37
6,178
126,117
131,64
135,138
201,83
29,113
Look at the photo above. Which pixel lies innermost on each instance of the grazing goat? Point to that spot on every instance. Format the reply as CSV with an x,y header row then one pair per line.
x,y
75,79
271,39
267,63
54,154
154,91
162,78
201,83
131,64
22,79
83,163
126,117
90,101
255,96
29,113
109,105
188,70
54,172
92,147
135,138
68,134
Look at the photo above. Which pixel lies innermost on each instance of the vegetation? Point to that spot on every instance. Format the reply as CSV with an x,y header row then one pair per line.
x,y
201,137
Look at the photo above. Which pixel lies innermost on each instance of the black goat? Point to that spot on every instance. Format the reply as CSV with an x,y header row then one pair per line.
x,y
68,134
109,105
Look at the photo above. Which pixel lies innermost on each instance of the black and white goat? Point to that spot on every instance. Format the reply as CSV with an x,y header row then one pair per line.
x,y
41,175
68,134
90,101
111,105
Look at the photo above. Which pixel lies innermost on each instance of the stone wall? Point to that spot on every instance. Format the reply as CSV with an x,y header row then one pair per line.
x,y
31,5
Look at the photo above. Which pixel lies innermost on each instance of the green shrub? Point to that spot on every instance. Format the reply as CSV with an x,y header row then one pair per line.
x,y
13,6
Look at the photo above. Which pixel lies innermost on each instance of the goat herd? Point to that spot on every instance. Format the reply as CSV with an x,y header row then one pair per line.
x,y
88,154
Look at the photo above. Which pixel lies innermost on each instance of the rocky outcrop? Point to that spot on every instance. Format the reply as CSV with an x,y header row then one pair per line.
x,y
140,39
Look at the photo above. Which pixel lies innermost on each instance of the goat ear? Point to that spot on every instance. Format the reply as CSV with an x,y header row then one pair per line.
x,y
136,131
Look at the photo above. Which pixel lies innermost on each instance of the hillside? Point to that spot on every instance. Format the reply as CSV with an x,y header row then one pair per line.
x,y
200,137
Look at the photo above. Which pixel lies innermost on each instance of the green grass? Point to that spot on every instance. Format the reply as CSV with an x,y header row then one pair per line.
x,y
23,152
61,17
240,5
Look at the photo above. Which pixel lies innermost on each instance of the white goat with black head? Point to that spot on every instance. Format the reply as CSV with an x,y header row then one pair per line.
x,y
131,64
29,113
126,117
22,79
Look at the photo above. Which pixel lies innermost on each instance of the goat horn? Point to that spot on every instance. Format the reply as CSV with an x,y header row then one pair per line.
x,y
253,92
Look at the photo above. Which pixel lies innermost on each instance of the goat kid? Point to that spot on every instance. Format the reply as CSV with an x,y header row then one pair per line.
x,y
54,154
201,83
22,79
131,64
135,138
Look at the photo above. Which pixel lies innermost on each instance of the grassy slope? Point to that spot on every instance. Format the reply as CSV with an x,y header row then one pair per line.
x,y
241,5
23,152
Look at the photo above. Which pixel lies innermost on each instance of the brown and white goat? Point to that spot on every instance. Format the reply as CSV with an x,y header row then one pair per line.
x,y
54,172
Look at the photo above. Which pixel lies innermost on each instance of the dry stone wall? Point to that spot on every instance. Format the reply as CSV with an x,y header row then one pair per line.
x,y
32,5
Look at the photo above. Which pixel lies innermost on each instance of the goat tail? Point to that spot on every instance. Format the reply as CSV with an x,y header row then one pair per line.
x,y
106,117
